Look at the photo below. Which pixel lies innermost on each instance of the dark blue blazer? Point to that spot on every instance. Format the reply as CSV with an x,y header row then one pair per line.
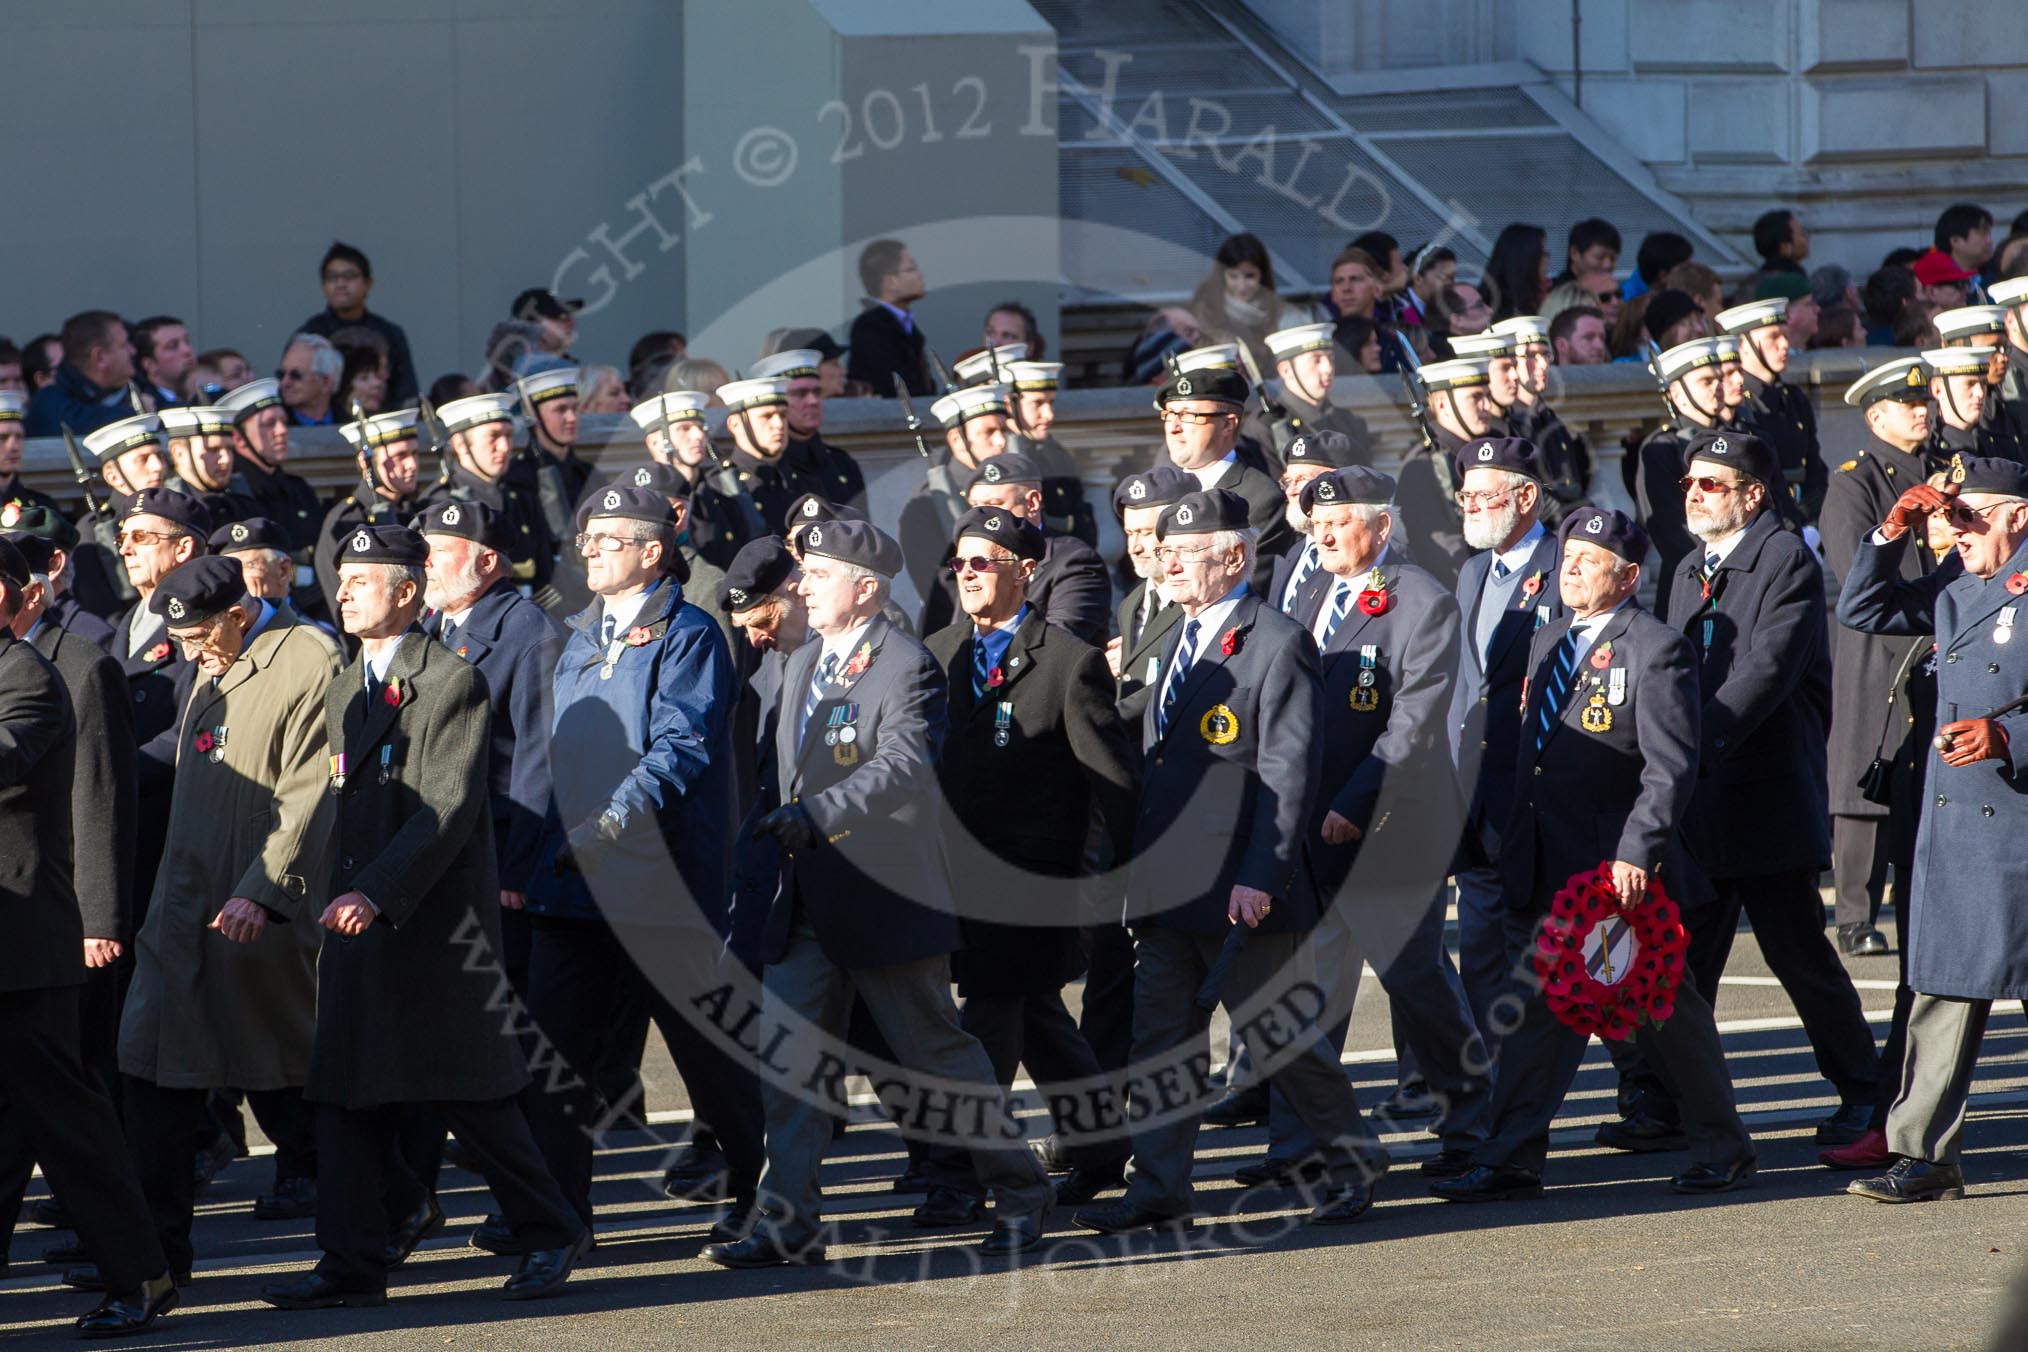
x,y
1485,713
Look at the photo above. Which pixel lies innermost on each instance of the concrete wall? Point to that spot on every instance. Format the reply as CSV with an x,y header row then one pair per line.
x,y
195,157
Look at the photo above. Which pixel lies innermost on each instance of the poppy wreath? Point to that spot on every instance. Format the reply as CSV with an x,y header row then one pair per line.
x,y
1645,993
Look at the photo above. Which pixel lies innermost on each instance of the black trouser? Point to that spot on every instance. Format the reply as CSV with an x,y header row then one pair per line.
x,y
1107,1019
578,970
165,1129
1033,1029
1862,848
363,1178
98,1050
284,1119
68,1124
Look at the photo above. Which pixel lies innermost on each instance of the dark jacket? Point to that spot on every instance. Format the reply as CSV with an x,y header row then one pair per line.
x,y
1764,673
45,938
402,386
1485,712
1071,590
804,467
1141,654
881,349
1585,798
1228,789
284,499
405,1010
1065,507
103,781
71,400
1431,528
361,507
1658,488
1782,416
877,890
1050,731
530,546
516,645
66,613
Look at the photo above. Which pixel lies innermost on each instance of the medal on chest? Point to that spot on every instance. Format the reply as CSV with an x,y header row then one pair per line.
x,y
1596,716
842,736
1365,695
1003,723
386,763
210,743
1219,726
2003,626
338,772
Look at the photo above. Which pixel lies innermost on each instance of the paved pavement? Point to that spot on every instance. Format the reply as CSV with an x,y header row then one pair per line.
x,y
1608,1257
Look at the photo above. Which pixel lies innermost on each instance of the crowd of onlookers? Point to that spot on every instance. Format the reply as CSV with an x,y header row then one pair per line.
x,y
1383,301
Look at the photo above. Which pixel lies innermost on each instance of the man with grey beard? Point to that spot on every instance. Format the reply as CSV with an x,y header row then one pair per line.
x,y
1505,593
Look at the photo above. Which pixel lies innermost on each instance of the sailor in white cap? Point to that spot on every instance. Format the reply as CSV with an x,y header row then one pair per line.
x,y
810,459
1305,370
723,515
481,432
1985,326
1031,406
976,428
1691,377
200,448
1774,410
549,398
389,491
128,456
1564,456
1460,410
261,442
2011,295
14,441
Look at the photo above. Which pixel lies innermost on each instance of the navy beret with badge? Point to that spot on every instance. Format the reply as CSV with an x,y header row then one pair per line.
x,y
1219,386
1514,454
656,477
14,568
473,521
39,551
1321,446
816,507
1157,487
1003,528
854,542
757,570
1992,474
1740,451
32,518
1357,486
194,592
171,505
1612,531
1205,512
256,532
1008,467
628,503
383,544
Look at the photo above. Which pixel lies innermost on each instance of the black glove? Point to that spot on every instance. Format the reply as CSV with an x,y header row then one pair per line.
x,y
789,825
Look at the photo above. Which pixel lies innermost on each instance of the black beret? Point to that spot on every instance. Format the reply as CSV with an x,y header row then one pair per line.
x,y
1989,474
1358,486
1222,386
13,568
816,507
1202,513
35,550
1740,451
1509,453
473,521
256,532
1157,487
1320,447
760,567
1666,310
1609,530
1008,467
629,504
1003,528
32,518
193,592
171,505
656,477
383,544
857,542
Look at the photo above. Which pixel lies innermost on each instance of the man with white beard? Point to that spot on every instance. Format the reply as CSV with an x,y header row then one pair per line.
x,y
1505,593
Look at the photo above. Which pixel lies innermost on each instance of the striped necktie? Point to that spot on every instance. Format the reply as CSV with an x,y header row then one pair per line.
x,y
1341,602
981,669
1500,570
1179,672
607,628
1304,567
1557,688
1711,562
826,673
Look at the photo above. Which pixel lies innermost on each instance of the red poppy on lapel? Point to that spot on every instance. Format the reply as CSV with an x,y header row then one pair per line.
x,y
860,660
1232,642
2018,583
156,653
1532,585
392,695
994,678
202,742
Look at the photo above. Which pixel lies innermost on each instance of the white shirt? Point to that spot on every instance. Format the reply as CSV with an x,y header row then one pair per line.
x,y
1587,630
1353,584
143,629
1517,556
842,646
624,610
1212,622
1213,474
1722,548
377,665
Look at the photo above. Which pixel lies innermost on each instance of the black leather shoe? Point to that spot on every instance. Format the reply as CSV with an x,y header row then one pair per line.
x,y
736,1223
1642,1134
1050,1153
1275,1173
87,1277
47,1211
948,1206
318,1292
697,1175
1085,1184
1343,1204
1703,1178
909,1180
1490,1183
495,1235
1239,1108
1411,1100
763,1249
1123,1217
119,1316
1012,1235
1862,941
423,1222
1846,1125
544,1271
1912,1181
68,1251
294,1199
1448,1164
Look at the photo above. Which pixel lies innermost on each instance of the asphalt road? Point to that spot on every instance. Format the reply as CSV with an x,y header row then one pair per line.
x,y
1609,1257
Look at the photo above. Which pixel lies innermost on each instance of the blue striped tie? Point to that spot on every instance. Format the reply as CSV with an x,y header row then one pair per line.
x,y
980,669
1341,602
826,673
1304,567
1558,687
1179,672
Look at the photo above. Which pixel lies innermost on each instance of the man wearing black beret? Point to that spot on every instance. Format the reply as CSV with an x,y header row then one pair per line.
x,y
62,609
1219,892
54,1104
864,903
262,550
1200,413
386,493
1750,599
1307,455
1145,615
221,999
1608,754
1070,588
1030,705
